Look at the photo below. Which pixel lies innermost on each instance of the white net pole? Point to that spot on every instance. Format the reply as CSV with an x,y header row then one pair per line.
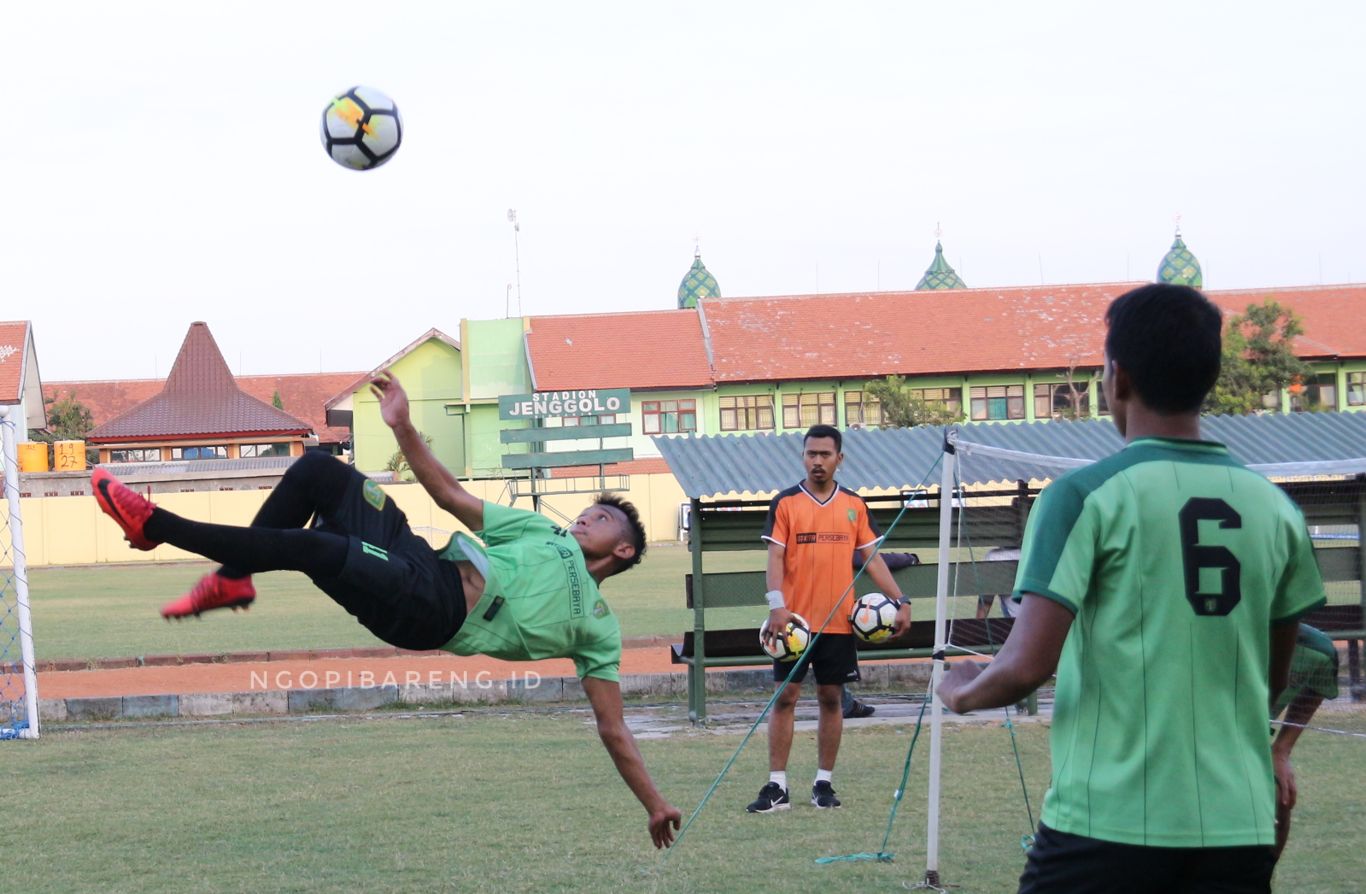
x,y
20,569
941,598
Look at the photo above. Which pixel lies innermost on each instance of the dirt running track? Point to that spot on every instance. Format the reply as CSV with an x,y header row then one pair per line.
x,y
323,671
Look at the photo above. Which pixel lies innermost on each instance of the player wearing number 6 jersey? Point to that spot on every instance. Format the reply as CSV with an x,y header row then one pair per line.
x,y
1164,585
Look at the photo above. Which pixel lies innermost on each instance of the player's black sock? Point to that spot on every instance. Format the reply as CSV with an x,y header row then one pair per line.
x,y
314,484
251,550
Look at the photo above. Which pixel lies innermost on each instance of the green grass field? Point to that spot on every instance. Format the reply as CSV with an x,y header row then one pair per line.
x,y
111,611
391,803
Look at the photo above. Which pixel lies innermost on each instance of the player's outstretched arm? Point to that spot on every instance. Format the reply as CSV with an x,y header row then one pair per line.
x,y
1027,659
605,696
435,478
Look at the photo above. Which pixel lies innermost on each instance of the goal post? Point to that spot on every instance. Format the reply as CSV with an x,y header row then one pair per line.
x,y
18,681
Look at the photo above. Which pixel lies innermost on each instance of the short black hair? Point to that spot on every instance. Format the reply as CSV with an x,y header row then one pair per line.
x,y
635,528
1168,339
824,431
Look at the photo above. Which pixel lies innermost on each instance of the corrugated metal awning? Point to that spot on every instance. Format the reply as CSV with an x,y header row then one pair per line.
x,y
708,465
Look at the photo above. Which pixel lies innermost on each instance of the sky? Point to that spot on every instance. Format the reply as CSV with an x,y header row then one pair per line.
x,y
162,162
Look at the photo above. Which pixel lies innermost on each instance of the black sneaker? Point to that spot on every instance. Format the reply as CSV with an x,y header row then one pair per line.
x,y
771,797
823,796
859,709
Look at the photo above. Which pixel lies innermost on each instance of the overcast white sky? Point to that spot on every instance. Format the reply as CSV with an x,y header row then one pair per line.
x,y
160,162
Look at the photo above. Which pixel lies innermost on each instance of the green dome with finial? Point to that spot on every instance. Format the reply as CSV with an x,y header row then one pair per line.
x,y
939,275
1179,267
698,284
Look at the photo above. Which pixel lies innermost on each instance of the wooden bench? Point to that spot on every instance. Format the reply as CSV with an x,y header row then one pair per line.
x,y
739,647
735,525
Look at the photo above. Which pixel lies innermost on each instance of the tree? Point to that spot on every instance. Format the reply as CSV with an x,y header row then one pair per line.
x,y
398,463
1258,359
902,409
276,402
67,420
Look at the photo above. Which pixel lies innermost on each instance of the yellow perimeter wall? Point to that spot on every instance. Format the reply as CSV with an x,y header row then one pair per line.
x,y
72,531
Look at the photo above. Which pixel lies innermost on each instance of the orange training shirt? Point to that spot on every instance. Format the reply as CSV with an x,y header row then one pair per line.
x,y
819,540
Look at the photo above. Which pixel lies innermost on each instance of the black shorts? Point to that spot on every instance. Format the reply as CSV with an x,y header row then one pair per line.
x,y
835,657
1075,864
392,581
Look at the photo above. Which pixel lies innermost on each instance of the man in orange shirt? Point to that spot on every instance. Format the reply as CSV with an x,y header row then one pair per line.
x,y
813,530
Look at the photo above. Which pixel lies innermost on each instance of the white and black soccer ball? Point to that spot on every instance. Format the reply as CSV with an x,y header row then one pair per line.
x,y
361,128
789,644
873,617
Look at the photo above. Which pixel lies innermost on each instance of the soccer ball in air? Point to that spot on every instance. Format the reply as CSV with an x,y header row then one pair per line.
x,y
788,644
361,129
873,617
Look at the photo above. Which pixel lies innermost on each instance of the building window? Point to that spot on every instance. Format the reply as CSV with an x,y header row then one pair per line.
x,y
604,419
950,398
1054,401
747,412
253,451
665,417
806,410
1102,405
997,402
136,455
1356,389
1318,393
861,408
214,452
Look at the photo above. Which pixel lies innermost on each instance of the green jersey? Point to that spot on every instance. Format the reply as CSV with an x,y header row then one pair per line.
x,y
1176,561
539,601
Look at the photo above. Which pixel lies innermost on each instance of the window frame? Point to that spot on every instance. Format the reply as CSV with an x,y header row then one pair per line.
x,y
746,412
1011,400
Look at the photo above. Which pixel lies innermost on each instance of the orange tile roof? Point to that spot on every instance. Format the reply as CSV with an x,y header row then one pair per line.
x,y
640,349
13,356
863,335
1334,317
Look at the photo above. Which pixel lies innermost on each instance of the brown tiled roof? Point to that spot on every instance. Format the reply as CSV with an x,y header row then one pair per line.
x,y
644,349
303,394
200,398
13,356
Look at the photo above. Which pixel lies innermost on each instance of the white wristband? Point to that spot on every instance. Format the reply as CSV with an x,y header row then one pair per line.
x,y
775,599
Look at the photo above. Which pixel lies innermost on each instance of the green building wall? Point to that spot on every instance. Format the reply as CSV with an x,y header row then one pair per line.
x,y
431,376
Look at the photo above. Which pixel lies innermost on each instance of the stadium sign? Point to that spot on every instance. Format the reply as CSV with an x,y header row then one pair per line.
x,y
559,404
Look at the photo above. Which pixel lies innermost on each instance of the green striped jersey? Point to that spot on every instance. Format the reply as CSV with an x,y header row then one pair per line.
x,y
1176,560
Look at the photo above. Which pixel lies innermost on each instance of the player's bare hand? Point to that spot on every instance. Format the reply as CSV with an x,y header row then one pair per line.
x,y
1286,791
663,823
393,400
778,619
960,674
902,625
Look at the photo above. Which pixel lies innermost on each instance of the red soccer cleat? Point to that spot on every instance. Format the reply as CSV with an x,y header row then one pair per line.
x,y
125,506
213,591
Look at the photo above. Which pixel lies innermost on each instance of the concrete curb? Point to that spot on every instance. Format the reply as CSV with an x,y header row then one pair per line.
x,y
528,688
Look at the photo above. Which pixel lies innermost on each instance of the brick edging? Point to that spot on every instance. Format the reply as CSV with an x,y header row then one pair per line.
x,y
90,664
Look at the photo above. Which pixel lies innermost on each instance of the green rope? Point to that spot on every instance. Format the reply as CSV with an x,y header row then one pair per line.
x,y
883,855
778,690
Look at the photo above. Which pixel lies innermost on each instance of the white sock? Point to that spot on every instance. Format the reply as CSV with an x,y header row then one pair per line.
x,y
824,775
778,776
